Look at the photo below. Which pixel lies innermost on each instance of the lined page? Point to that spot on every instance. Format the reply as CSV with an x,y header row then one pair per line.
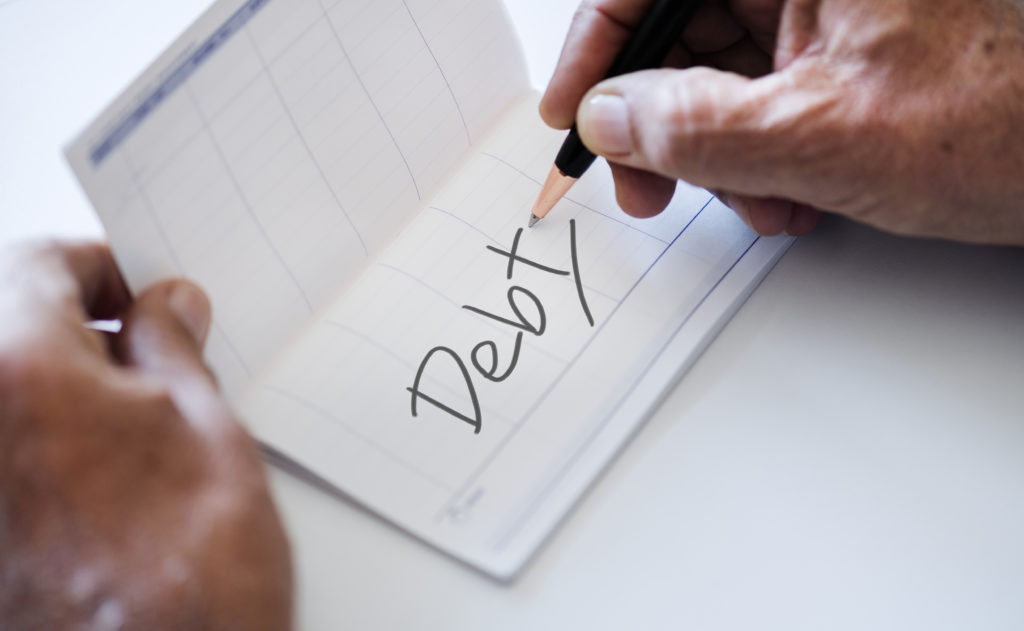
x,y
349,181
280,144
458,386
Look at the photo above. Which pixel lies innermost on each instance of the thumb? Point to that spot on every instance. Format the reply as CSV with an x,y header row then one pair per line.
x,y
714,129
162,338
164,333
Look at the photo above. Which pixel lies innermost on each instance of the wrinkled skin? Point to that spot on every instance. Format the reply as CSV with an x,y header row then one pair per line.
x,y
130,497
904,114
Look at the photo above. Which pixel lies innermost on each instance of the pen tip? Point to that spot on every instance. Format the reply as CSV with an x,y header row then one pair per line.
x,y
554,189
533,221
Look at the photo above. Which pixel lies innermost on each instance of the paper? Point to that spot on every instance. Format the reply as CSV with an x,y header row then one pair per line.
x,y
350,182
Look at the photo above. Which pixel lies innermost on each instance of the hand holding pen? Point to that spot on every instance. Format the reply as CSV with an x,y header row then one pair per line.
x,y
904,115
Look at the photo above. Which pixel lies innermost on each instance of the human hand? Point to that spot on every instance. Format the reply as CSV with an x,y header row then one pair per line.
x,y
130,497
905,114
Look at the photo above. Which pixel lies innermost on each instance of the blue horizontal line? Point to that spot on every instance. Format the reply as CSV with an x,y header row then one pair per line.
x,y
174,80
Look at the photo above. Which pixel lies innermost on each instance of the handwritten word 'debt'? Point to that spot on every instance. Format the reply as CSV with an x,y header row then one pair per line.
x,y
487,351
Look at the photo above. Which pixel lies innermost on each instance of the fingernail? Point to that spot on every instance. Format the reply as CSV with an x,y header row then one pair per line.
x,y
192,308
603,121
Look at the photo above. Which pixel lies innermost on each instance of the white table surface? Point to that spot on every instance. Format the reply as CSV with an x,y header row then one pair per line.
x,y
848,454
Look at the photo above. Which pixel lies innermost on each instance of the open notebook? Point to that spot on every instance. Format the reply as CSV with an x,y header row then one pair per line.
x,y
350,181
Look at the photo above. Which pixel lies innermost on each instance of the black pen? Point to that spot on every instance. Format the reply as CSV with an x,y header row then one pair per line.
x,y
646,48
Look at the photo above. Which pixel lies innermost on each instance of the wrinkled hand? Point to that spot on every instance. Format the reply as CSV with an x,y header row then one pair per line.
x,y
905,114
130,498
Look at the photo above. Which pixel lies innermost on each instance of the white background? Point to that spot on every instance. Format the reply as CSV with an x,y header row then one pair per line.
x,y
848,454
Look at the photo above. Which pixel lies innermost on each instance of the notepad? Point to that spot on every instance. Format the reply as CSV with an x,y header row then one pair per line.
x,y
350,181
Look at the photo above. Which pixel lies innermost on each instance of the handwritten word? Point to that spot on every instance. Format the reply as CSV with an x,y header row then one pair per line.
x,y
484,355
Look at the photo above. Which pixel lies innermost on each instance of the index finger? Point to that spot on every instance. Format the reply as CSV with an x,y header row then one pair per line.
x,y
599,30
101,288
82,277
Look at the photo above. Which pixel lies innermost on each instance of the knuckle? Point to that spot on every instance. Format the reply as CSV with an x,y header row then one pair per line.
x,y
33,253
665,145
583,16
845,149
676,140
586,10
38,269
